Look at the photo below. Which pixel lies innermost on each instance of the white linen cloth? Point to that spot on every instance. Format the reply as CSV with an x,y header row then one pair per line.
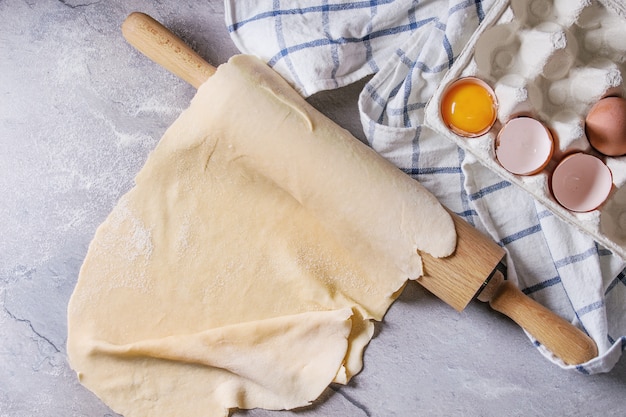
x,y
409,45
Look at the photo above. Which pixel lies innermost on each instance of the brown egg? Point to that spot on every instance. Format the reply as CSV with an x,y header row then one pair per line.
x,y
606,126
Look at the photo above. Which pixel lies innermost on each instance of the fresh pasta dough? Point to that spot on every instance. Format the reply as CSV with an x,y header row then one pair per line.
x,y
245,267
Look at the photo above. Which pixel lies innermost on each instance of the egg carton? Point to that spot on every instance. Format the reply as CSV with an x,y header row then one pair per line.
x,y
552,60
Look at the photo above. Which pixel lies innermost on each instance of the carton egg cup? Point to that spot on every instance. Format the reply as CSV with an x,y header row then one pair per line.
x,y
550,60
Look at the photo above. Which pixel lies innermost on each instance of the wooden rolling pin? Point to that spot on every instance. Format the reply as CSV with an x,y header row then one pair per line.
x,y
468,273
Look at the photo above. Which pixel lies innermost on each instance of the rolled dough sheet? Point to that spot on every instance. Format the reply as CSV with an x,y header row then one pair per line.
x,y
245,267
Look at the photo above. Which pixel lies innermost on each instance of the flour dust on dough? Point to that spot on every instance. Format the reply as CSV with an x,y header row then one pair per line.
x,y
246,266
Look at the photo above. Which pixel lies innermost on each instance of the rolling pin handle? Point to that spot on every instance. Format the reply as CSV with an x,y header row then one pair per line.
x,y
166,49
559,336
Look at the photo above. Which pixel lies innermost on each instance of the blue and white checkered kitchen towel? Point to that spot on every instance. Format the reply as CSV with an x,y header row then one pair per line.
x,y
409,45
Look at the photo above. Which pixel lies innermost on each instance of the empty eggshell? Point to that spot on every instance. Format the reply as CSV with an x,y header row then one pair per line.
x,y
524,146
605,126
581,182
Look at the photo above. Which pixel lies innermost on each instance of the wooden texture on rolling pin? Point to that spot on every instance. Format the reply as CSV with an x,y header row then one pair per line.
x,y
166,49
458,278
559,336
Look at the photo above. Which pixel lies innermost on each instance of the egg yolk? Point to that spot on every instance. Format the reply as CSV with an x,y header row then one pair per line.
x,y
468,108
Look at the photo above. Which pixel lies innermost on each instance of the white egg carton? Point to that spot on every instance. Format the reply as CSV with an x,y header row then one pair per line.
x,y
551,59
